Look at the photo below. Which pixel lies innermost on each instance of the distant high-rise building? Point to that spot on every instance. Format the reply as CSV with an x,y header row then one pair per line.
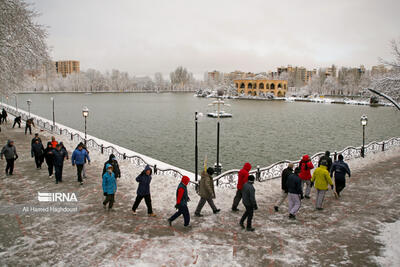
x,y
378,70
67,67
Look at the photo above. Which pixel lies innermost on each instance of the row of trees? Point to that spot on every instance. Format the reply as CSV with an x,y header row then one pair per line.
x,y
94,81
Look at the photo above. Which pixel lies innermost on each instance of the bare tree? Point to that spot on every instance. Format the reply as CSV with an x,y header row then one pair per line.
x,y
22,43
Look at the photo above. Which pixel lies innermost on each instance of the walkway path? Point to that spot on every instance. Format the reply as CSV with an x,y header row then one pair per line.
x,y
341,235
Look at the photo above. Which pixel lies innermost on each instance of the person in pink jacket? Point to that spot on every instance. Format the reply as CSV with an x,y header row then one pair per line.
x,y
305,174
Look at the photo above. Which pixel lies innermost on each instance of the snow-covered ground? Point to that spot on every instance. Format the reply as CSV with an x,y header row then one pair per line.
x,y
390,237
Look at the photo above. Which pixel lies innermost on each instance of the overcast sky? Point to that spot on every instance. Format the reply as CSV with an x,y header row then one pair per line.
x,y
144,37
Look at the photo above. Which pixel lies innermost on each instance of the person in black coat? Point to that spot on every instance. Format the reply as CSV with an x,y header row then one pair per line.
x,y
17,120
37,151
113,161
59,156
36,138
328,160
49,157
28,125
143,191
340,169
4,115
295,193
285,174
249,202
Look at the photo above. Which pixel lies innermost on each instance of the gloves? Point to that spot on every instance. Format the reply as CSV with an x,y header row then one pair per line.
x,y
16,157
312,184
256,207
332,187
177,206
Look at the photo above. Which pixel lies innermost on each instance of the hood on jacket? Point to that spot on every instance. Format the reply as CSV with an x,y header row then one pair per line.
x,y
112,156
327,153
49,145
108,165
306,158
247,166
185,180
147,168
9,141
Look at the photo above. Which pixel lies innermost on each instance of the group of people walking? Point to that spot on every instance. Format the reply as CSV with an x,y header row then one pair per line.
x,y
293,181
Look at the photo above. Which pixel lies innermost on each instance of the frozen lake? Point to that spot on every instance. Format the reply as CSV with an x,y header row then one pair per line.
x,y
261,132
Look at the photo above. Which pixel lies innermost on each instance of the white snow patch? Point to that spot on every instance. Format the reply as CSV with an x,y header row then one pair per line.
x,y
390,237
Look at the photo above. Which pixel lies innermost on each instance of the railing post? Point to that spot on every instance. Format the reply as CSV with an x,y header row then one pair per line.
x,y
335,157
258,173
102,149
124,156
72,137
383,146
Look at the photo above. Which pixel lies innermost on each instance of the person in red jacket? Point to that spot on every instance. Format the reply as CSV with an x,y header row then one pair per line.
x,y
305,174
242,179
182,198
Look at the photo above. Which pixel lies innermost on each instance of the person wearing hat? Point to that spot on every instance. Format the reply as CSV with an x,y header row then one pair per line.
x,y
328,159
182,198
242,179
28,125
113,161
305,174
17,120
109,187
285,174
295,193
249,202
321,179
206,192
36,138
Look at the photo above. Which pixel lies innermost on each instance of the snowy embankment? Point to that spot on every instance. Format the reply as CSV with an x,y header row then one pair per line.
x,y
390,237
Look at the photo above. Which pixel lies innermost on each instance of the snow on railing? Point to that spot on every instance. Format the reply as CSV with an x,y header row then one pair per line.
x,y
229,178
100,145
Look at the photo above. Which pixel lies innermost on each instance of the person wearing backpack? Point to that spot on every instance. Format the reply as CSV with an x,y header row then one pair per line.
x,y
340,169
305,174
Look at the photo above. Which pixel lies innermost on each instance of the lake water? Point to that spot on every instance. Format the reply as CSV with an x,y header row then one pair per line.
x,y
261,132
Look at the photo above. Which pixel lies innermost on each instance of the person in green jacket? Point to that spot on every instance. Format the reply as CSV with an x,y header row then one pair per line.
x,y
321,179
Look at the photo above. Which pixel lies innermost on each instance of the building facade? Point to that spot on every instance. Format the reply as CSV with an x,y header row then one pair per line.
x,y
261,86
67,67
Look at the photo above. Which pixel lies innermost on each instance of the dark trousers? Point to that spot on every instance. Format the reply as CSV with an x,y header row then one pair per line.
x,y
17,122
4,119
38,161
109,199
340,184
50,167
183,209
249,215
58,170
237,199
10,166
28,127
79,168
147,198
203,201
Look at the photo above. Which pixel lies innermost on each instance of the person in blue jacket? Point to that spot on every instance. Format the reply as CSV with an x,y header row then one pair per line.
x,y
109,187
78,158
340,168
143,191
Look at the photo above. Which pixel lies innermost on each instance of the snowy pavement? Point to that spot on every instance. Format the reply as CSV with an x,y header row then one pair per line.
x,y
346,233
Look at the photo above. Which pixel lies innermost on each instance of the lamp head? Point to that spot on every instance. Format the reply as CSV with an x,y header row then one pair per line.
x,y
85,112
28,101
364,120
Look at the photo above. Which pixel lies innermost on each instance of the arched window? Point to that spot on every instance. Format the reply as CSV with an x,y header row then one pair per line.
x,y
249,86
272,86
279,85
241,92
242,85
261,85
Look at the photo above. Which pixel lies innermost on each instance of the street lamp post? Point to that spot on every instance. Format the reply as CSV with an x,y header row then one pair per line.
x,y
54,118
196,153
16,102
29,102
85,113
364,122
